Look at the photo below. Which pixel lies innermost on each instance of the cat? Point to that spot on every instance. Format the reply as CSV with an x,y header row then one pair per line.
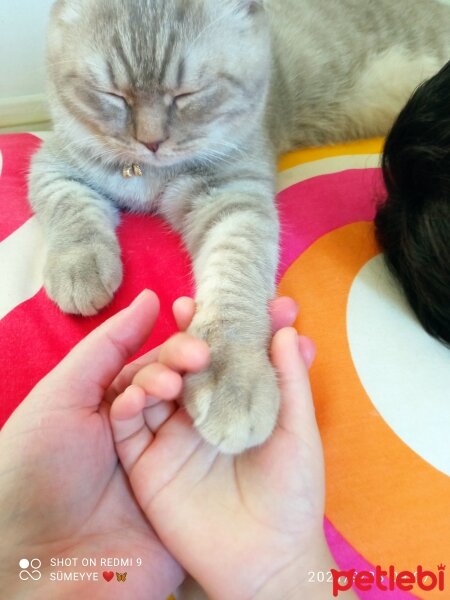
x,y
413,224
179,107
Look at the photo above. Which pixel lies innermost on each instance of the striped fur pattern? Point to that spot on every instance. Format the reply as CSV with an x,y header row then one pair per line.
x,y
202,95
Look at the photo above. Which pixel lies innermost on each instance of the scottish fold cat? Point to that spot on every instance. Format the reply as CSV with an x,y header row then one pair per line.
x,y
179,107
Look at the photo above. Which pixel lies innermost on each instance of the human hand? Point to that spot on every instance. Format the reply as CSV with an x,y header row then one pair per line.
x,y
62,491
283,312
247,526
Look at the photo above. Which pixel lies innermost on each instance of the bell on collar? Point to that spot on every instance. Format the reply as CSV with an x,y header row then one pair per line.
x,y
133,170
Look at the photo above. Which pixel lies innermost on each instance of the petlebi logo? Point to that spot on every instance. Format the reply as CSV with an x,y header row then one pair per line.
x,y
389,580
30,569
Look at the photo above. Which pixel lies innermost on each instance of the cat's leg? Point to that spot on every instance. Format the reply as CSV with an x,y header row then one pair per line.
x,y
232,235
83,267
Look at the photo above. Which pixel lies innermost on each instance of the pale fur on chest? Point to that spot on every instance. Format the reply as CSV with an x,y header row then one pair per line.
x,y
155,192
137,194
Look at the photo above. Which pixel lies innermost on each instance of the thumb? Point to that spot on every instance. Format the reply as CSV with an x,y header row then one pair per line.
x,y
297,412
89,369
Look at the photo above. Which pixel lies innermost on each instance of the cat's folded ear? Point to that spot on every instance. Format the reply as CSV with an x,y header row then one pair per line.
x,y
249,7
253,6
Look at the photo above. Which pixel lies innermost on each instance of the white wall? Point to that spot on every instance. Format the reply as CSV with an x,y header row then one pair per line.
x,y
22,43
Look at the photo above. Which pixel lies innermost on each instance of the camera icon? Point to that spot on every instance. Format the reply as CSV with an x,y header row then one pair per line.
x,y
30,569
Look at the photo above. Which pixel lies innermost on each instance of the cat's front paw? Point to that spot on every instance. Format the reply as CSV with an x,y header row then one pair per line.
x,y
82,279
234,404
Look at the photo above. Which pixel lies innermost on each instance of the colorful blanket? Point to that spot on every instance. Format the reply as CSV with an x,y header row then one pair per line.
x,y
381,384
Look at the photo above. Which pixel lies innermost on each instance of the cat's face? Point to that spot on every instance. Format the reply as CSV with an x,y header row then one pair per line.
x,y
158,81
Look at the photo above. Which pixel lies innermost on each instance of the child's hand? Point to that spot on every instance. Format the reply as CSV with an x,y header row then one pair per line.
x,y
62,492
247,526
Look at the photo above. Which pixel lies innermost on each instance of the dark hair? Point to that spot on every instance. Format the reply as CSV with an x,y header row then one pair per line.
x,y
413,225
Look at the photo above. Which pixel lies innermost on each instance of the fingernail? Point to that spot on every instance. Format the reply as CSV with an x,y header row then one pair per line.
x,y
307,349
139,297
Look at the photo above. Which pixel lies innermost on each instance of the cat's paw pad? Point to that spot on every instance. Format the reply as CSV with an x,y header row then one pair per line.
x,y
234,404
83,278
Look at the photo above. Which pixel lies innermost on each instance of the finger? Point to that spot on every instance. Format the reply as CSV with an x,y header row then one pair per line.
x,y
125,377
183,311
155,416
283,312
297,410
96,361
160,381
184,353
129,404
130,431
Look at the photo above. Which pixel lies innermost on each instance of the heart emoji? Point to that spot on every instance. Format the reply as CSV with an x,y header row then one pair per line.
x,y
108,575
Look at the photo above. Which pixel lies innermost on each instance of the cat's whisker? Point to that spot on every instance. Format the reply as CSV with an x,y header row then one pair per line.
x,y
74,143
234,148
108,155
213,156
222,156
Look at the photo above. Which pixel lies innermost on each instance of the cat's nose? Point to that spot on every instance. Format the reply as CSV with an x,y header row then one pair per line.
x,y
153,146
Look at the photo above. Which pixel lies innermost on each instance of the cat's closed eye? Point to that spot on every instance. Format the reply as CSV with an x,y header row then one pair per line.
x,y
115,96
180,100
